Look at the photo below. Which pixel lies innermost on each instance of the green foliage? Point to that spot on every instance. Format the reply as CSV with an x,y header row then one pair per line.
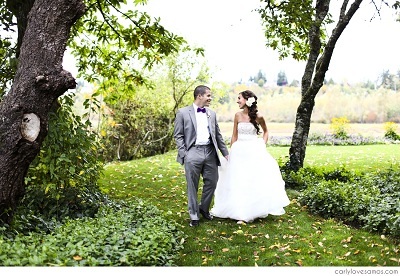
x,y
384,211
282,79
260,78
62,180
340,127
121,234
390,131
371,200
112,37
302,178
137,129
8,61
336,199
140,123
287,25
308,176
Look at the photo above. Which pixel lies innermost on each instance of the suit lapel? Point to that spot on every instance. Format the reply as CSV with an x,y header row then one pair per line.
x,y
192,116
209,120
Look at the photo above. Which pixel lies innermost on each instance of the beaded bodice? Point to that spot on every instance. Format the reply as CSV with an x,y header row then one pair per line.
x,y
246,130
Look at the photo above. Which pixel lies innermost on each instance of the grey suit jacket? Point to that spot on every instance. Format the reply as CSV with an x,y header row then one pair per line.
x,y
186,128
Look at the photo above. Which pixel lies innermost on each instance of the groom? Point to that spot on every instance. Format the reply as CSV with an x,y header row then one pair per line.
x,y
198,139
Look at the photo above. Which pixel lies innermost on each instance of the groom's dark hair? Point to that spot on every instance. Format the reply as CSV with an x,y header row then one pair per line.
x,y
200,90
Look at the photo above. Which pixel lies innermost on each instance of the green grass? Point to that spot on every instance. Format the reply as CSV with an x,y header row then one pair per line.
x,y
293,239
358,158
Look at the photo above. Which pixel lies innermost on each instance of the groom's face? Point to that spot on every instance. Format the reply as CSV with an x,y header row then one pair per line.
x,y
205,99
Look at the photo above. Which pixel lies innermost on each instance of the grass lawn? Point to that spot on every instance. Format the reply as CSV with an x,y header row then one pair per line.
x,y
293,239
360,158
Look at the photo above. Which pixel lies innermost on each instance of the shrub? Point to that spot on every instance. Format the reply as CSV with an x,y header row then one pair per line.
x,y
62,180
133,234
370,200
335,199
302,178
390,131
340,127
384,211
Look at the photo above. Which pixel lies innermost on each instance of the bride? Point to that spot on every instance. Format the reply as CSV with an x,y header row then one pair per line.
x,y
250,184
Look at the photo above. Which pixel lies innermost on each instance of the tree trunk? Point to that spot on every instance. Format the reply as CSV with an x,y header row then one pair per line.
x,y
310,86
39,81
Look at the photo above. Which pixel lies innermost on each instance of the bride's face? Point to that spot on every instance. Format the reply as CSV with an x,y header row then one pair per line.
x,y
241,101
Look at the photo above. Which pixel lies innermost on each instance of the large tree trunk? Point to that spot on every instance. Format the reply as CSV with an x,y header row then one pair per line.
x,y
39,81
310,85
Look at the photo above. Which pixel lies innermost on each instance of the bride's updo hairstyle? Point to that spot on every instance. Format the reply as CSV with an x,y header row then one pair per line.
x,y
252,109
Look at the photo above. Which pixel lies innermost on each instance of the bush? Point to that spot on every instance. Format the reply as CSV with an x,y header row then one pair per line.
x,y
370,201
62,180
335,199
340,127
307,176
125,234
390,131
384,212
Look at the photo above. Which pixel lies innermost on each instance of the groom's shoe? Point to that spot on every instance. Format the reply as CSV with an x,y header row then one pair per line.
x,y
194,223
206,215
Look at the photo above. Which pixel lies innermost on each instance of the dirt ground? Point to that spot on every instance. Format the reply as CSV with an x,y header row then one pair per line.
x,y
286,129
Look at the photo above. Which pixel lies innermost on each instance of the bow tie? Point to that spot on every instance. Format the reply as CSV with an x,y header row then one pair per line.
x,y
201,109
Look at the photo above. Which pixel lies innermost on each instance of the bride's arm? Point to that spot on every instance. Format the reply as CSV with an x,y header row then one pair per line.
x,y
235,129
263,125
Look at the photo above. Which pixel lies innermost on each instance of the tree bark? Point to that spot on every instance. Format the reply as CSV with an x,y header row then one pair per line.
x,y
39,81
310,85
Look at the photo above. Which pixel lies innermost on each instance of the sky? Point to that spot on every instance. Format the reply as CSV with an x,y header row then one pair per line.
x,y
232,35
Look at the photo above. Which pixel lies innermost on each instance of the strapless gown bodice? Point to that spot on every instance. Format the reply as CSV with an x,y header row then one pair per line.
x,y
246,131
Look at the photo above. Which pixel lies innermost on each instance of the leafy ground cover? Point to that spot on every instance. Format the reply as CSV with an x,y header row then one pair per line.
x,y
294,239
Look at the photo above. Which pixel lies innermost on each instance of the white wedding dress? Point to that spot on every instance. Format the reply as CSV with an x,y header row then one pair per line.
x,y
250,184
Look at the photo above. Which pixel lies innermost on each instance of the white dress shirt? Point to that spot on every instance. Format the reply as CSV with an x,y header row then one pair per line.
x,y
203,135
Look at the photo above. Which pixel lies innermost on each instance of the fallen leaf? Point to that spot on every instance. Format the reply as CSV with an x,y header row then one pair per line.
x,y
299,263
396,260
77,258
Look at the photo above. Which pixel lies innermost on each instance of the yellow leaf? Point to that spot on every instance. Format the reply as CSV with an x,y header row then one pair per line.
x,y
396,260
225,249
77,258
347,254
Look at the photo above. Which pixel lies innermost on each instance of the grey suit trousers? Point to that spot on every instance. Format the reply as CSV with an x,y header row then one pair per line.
x,y
200,160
